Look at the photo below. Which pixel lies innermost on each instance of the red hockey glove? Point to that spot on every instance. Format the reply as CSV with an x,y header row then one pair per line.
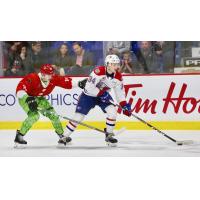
x,y
126,107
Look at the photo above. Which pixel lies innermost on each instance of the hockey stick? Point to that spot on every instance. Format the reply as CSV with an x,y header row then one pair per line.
x,y
92,127
154,128
86,125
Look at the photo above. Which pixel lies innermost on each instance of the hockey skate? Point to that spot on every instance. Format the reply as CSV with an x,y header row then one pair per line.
x,y
63,141
110,140
19,140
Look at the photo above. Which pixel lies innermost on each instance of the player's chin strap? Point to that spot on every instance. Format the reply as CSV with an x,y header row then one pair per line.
x,y
83,124
159,131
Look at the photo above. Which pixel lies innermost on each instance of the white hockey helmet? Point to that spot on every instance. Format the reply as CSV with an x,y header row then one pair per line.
x,y
111,59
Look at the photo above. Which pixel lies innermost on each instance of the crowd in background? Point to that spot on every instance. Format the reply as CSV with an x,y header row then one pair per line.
x,y
21,58
79,58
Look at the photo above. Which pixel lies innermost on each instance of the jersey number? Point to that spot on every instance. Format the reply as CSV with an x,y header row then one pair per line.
x,y
91,80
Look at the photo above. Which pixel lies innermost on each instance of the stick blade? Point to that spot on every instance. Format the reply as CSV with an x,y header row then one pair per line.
x,y
184,142
120,131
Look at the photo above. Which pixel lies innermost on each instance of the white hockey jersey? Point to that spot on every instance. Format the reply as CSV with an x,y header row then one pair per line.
x,y
99,82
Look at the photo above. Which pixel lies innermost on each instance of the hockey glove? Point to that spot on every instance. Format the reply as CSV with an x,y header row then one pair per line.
x,y
126,107
105,97
32,104
82,83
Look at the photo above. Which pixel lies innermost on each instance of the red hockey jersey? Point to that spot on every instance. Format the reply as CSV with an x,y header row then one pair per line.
x,y
32,85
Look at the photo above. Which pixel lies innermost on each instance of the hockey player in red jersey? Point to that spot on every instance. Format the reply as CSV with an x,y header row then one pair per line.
x,y
96,92
31,92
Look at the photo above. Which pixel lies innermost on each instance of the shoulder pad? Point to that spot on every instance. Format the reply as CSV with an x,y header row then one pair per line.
x,y
118,76
100,70
31,77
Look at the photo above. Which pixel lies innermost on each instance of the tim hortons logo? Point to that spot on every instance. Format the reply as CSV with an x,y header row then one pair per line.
x,y
178,103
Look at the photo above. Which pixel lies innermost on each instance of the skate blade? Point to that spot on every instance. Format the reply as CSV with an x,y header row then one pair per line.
x,y
184,142
63,145
111,144
19,146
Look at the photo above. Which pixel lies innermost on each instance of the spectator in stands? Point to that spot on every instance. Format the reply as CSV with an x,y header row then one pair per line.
x,y
20,62
165,55
117,47
62,60
82,60
36,58
140,63
149,56
17,59
82,57
13,48
126,63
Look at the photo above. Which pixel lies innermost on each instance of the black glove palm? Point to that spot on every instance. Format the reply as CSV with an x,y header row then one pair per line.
x,y
82,83
32,104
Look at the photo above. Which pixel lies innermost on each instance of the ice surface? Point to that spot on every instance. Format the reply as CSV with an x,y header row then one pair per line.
x,y
91,143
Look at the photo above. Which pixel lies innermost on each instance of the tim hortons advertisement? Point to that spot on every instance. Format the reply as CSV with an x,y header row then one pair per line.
x,y
153,97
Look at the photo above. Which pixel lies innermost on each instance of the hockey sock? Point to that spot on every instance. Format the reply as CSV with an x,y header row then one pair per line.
x,y
110,124
71,126
111,118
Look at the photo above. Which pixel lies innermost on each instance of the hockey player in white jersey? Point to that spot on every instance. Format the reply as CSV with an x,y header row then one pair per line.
x,y
96,93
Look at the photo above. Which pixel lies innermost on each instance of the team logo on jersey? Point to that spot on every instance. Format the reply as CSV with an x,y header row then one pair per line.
x,y
66,79
24,87
97,71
